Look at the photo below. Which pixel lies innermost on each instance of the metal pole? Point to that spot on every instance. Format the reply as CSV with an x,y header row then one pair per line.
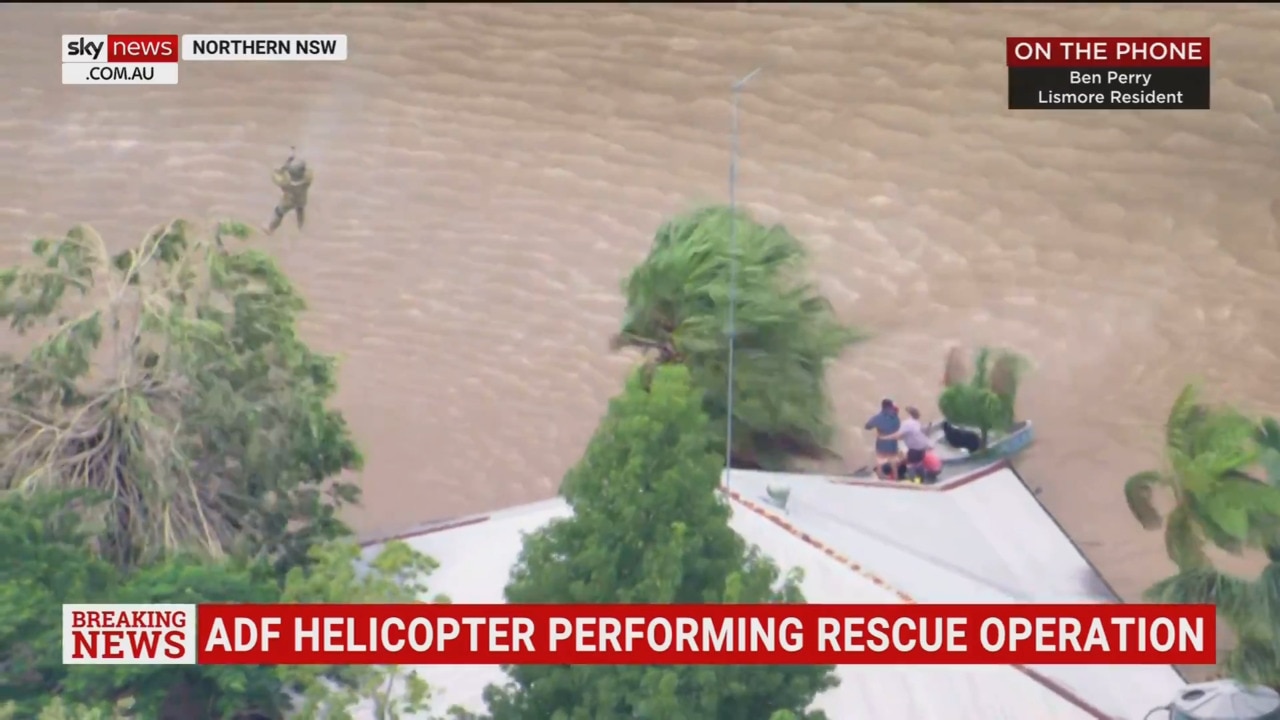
x,y
734,93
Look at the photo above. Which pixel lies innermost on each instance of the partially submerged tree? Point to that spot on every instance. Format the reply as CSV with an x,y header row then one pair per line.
x,y
650,527
987,400
786,332
170,379
1208,453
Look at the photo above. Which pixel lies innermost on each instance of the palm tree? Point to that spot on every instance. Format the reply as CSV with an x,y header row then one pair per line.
x,y
987,400
1208,451
786,332
1250,607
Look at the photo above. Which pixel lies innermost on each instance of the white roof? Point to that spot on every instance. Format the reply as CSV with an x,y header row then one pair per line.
x,y
985,540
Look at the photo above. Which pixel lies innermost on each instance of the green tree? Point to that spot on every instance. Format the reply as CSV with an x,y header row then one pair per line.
x,y
1208,453
57,567
57,709
1250,607
786,332
986,401
650,527
170,377
52,566
167,438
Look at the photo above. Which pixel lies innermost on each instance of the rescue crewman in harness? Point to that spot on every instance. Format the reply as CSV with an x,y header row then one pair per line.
x,y
294,180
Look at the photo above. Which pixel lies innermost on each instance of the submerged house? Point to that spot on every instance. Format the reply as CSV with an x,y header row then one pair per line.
x,y
980,537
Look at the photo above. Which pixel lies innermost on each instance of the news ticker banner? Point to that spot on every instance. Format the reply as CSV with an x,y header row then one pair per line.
x,y
1108,73
153,59
441,634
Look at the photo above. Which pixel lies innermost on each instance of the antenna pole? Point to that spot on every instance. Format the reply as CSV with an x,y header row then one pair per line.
x,y
735,93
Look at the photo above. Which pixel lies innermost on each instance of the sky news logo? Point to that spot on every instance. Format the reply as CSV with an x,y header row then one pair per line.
x,y
128,634
120,48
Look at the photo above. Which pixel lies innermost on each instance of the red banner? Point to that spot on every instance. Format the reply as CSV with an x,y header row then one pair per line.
x,y
1114,52
425,634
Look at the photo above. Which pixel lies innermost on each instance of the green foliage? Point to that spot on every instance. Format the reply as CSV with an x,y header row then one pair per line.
x,y
167,438
1250,607
987,401
170,379
650,527
398,574
57,709
677,309
53,567
1208,451
1267,436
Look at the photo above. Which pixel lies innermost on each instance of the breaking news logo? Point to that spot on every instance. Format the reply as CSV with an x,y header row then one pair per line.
x,y
128,634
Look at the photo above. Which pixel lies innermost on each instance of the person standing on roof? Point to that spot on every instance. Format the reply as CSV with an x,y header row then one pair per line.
x,y
913,435
885,423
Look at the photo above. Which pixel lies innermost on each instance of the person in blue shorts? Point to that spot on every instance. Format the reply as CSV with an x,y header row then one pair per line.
x,y
886,423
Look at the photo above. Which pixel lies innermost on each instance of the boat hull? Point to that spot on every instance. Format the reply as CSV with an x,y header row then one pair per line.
x,y
1007,445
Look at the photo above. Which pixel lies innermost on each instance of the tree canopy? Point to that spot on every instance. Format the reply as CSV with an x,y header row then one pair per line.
x,y
170,379
1222,472
1208,453
52,566
650,527
166,437
786,333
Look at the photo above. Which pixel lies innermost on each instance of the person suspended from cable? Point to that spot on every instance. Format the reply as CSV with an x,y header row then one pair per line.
x,y
294,180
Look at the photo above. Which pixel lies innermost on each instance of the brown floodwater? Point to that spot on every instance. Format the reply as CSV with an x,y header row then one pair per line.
x,y
486,174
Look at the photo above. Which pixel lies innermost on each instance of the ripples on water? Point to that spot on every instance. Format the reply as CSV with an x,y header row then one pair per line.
x,y
487,174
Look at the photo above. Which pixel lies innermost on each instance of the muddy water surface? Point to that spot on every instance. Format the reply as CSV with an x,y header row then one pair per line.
x,y
487,173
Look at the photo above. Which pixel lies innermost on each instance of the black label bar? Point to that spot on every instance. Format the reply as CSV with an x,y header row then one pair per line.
x,y
1034,88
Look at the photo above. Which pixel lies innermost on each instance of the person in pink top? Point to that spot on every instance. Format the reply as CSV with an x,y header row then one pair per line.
x,y
931,466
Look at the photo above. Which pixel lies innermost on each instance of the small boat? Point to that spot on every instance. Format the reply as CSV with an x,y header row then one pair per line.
x,y
998,446
957,460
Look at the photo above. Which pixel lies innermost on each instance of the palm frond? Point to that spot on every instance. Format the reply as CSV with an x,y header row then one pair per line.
x,y
1006,374
1138,493
786,332
1253,661
1185,411
1234,597
1184,538
1267,436
981,367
